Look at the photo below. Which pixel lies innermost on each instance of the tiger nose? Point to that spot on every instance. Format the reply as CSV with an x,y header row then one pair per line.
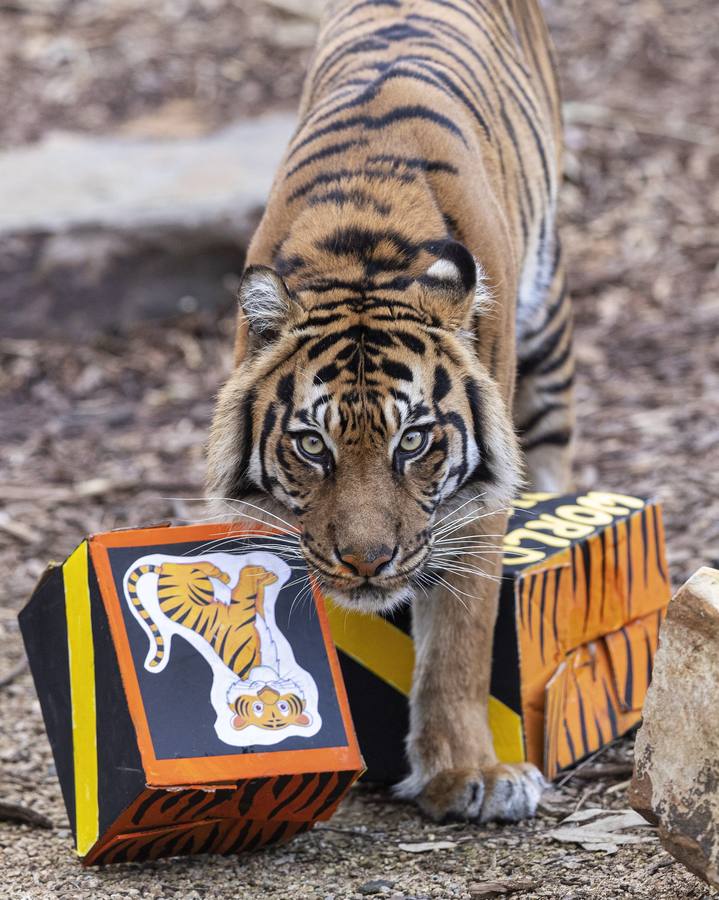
x,y
369,563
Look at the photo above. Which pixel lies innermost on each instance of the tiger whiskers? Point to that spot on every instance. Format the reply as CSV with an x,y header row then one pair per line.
x,y
420,580
228,501
453,511
436,580
451,522
234,533
301,596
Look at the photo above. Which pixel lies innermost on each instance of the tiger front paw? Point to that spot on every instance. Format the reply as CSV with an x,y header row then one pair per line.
x,y
502,792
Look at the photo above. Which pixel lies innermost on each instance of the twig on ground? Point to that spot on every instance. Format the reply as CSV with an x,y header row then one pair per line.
x,y
574,773
604,770
17,529
661,863
586,794
16,670
615,788
351,832
15,812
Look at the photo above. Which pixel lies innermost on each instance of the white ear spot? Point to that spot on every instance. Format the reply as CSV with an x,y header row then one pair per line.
x,y
444,270
264,299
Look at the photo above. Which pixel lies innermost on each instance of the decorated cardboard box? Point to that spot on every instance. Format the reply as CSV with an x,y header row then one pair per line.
x,y
583,593
189,707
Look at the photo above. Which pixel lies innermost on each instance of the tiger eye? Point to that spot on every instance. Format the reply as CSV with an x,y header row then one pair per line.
x,y
411,441
312,444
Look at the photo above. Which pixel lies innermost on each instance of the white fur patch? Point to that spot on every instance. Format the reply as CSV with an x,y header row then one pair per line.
x,y
263,304
377,602
483,297
444,270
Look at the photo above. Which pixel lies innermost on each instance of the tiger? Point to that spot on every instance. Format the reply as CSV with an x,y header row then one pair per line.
x,y
403,350
187,597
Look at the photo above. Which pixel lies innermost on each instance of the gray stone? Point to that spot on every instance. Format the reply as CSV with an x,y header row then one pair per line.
x,y
378,886
98,231
676,778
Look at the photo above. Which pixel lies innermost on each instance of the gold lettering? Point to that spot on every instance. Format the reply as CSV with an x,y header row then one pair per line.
x,y
528,501
589,516
514,538
614,504
572,530
522,557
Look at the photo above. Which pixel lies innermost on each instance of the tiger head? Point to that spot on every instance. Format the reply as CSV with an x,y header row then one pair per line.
x,y
269,709
359,405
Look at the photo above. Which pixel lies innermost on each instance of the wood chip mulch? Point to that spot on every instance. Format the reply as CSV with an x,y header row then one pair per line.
x,y
110,432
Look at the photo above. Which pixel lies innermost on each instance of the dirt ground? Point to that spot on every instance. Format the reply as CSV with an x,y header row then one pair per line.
x,y
103,434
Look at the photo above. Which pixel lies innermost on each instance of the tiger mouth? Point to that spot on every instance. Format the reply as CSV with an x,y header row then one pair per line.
x,y
371,585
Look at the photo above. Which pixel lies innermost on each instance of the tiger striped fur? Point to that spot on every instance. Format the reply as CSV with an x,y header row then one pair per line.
x,y
403,318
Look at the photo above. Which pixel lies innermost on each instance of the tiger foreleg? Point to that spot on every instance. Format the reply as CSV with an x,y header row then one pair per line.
x,y
454,772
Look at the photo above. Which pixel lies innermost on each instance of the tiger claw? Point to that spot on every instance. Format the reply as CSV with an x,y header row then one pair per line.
x,y
503,793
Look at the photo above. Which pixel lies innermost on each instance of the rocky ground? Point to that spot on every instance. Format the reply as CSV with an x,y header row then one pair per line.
x,y
106,432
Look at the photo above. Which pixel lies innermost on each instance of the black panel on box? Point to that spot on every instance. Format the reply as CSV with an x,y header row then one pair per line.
x,y
120,772
44,631
189,677
381,717
505,683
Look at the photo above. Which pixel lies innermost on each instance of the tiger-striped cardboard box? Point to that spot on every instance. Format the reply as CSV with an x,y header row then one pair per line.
x,y
584,590
188,709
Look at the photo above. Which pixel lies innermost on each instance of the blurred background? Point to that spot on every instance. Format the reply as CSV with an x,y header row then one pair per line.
x,y
137,143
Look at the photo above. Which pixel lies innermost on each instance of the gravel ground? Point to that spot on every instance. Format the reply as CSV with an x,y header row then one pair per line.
x,y
101,435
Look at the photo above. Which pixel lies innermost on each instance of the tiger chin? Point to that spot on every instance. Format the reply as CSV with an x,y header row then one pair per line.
x,y
403,318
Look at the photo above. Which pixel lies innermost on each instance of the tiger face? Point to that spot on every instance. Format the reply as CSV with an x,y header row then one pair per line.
x,y
361,412
269,709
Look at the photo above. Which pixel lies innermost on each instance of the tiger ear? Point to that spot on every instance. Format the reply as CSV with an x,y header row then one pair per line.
x,y
264,299
265,305
455,282
238,723
303,719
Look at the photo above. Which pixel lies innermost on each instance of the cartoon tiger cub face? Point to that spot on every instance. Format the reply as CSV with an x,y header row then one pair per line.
x,y
269,709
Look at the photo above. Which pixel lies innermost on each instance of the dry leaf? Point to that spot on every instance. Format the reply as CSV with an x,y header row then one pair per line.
x,y
427,846
603,829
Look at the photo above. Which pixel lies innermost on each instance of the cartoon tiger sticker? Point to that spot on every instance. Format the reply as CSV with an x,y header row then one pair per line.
x,y
224,605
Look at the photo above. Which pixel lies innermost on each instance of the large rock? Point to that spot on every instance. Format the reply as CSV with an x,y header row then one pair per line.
x,y
97,231
676,780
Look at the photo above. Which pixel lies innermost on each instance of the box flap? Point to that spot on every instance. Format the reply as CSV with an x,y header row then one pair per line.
x,y
597,692
631,654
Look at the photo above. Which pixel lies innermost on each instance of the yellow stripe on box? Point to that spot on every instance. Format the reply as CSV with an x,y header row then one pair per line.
x,y
82,694
507,735
374,643
388,653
